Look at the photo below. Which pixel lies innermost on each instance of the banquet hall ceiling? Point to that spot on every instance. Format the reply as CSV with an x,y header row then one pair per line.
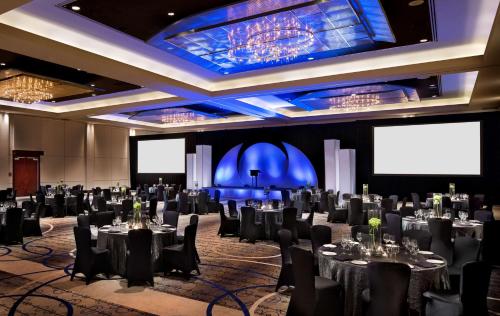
x,y
440,62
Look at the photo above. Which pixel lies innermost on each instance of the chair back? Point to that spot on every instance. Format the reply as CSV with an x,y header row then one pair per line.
x,y
59,206
346,196
222,215
202,202
13,225
233,211
247,224
160,193
82,240
490,242
285,197
217,196
394,199
355,214
171,218
183,205
415,198
483,216
474,205
481,198
107,194
79,202
423,238
153,205
323,202
446,202
101,204
474,287
441,244
139,245
406,211
127,209
387,205
388,283
285,242
189,246
363,229
303,296
394,226
290,220
320,235
104,218
83,221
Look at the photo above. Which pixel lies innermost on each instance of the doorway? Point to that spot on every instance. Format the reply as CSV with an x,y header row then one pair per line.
x,y
26,172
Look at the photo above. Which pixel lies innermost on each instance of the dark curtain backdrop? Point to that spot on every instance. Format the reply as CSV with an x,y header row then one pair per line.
x,y
356,135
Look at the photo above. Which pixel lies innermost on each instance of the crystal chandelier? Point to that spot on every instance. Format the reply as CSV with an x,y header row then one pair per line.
x,y
179,117
354,102
270,40
26,89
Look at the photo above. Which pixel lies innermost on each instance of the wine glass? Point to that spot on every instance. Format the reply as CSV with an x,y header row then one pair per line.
x,y
405,241
359,236
386,238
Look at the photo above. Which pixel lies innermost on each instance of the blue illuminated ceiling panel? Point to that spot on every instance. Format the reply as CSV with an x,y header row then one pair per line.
x,y
228,39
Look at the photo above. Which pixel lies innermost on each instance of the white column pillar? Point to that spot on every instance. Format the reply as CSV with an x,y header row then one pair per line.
x,y
5,152
190,171
89,157
332,147
204,165
347,164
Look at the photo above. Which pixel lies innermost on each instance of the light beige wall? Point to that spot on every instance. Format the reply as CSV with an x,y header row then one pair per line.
x,y
77,153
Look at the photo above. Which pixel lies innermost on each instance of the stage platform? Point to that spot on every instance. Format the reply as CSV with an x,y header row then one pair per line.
x,y
243,193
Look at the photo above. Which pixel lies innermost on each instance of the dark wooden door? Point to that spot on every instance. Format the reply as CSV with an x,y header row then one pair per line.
x,y
26,175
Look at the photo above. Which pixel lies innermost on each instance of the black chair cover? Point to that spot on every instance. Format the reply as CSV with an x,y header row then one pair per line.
x,y
355,212
12,231
249,230
139,263
441,244
286,273
233,211
89,260
290,222
228,225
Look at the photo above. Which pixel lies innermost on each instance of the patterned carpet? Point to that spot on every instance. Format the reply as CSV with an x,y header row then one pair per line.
x,y
236,278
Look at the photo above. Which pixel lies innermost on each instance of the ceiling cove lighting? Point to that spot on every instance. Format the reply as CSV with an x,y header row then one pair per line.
x,y
256,34
75,8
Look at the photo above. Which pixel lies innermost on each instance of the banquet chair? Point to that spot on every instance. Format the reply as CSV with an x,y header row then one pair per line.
x,y
304,226
312,295
394,199
89,260
394,226
323,202
233,211
79,203
12,230
101,204
346,196
387,291
474,205
465,249
83,221
160,193
335,214
202,207
183,204
285,197
472,298
104,218
171,205
355,214
489,244
249,230
3,196
59,206
320,235
29,206
193,220
228,225
405,211
127,209
386,207
415,198
139,261
106,194
290,222
446,203
213,203
11,194
483,216
171,218
182,257
404,201
481,198
423,238
31,224
153,207
286,272
441,244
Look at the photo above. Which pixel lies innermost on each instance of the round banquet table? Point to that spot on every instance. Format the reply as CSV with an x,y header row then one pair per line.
x,y
3,217
458,204
69,201
424,276
271,219
366,205
467,228
116,243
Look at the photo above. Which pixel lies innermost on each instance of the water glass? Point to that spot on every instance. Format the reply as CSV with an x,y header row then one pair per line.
x,y
359,237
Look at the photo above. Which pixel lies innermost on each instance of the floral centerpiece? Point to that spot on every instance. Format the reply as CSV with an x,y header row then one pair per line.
x,y
452,189
160,181
374,224
137,213
437,200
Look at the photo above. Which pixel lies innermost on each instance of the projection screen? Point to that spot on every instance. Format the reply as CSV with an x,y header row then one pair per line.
x,y
161,156
428,149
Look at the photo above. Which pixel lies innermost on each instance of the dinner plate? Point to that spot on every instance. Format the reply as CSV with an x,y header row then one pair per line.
x,y
359,262
435,261
423,252
410,217
106,226
329,253
330,246
411,266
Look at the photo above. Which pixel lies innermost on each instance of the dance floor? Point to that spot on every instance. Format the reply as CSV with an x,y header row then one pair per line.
x,y
236,278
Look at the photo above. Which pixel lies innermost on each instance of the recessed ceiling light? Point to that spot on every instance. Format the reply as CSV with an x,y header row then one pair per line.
x,y
432,86
53,101
424,40
434,96
310,58
78,69
226,72
2,64
92,85
75,8
171,13
415,3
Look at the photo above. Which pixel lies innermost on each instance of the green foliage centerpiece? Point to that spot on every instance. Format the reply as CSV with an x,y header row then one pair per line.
x,y
137,214
374,224
437,202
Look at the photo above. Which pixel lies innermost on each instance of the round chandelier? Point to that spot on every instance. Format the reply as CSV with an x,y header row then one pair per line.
x,y
27,89
270,40
354,102
180,117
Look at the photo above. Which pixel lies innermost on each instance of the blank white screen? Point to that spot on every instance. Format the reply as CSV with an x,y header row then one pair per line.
x,y
431,149
161,156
